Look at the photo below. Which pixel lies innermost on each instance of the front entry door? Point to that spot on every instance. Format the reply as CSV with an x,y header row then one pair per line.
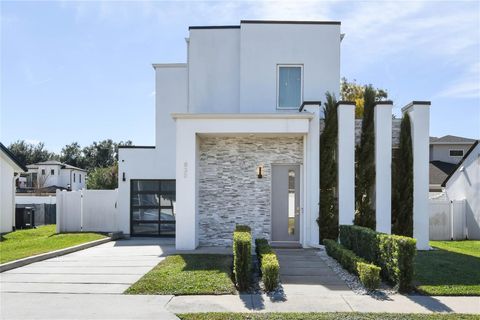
x,y
285,202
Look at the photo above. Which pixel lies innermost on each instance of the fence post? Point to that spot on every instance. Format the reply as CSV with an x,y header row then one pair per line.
x,y
81,210
451,220
58,195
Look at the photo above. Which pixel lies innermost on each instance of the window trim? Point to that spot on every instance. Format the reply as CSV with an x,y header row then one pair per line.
x,y
281,65
450,153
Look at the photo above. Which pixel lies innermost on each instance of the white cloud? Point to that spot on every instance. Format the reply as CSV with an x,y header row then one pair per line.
x,y
467,86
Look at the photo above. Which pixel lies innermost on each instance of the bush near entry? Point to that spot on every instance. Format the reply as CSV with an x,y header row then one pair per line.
x,y
394,254
242,256
368,273
269,266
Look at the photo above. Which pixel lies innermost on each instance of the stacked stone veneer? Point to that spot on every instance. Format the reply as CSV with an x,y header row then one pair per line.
x,y
229,191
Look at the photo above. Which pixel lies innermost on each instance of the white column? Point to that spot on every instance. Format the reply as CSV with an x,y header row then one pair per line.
x,y
312,177
383,165
346,162
186,236
419,112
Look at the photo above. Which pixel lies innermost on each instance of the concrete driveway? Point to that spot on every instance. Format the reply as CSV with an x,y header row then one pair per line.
x,y
86,284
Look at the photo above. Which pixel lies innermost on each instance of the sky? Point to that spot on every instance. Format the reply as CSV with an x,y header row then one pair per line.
x,y
81,71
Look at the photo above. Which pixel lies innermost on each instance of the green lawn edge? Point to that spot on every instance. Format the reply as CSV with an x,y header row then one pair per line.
x,y
322,316
31,242
188,274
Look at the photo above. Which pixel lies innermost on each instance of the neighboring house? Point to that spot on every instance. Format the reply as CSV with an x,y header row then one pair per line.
x,y
445,153
463,183
237,140
10,167
50,175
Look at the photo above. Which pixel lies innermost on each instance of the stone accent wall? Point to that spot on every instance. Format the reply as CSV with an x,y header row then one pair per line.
x,y
230,192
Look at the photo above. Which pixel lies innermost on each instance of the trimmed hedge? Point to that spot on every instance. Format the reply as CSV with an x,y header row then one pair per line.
x,y
269,266
396,257
242,256
394,254
368,273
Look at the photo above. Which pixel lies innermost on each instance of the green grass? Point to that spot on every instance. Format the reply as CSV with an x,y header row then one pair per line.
x,y
25,243
188,274
452,270
323,316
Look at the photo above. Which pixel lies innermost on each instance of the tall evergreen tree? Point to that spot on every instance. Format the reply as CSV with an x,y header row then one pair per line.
x,y
328,220
402,180
365,164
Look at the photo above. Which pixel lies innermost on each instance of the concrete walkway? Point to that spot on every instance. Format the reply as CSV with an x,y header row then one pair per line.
x,y
89,284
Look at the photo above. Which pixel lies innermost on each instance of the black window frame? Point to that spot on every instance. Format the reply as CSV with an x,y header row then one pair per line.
x,y
456,150
52,172
74,177
43,172
159,193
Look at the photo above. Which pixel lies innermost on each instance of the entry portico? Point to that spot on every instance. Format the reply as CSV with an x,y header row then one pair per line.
x,y
298,132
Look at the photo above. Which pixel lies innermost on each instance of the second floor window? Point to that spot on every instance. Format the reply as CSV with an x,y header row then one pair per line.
x,y
52,172
289,86
43,172
74,177
80,178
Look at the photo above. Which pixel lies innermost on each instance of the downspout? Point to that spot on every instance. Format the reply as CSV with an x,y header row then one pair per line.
x,y
14,189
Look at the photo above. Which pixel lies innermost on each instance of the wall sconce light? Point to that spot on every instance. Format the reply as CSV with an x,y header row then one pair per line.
x,y
123,177
259,172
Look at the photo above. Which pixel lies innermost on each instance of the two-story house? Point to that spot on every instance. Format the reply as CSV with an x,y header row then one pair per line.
x,y
50,175
237,140
445,153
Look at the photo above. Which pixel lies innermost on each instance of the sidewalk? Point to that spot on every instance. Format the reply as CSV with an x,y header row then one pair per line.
x,y
330,302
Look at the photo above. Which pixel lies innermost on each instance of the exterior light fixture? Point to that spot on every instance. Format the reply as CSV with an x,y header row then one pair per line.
x,y
123,177
259,172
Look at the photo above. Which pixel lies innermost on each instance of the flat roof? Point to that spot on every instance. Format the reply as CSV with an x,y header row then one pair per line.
x,y
266,22
299,115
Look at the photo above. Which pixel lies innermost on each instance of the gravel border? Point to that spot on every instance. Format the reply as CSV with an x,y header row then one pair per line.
x,y
352,281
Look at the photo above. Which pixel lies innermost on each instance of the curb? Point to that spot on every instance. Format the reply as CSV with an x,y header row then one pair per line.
x,y
44,256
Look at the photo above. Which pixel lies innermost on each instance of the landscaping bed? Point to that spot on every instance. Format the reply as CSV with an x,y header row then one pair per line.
x,y
188,274
453,269
323,316
30,242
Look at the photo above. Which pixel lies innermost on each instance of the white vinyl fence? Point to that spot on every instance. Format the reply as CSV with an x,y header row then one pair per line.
x,y
447,220
87,210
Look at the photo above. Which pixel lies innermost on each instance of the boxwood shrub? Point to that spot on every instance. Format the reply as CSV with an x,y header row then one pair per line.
x,y
242,257
368,273
394,254
269,266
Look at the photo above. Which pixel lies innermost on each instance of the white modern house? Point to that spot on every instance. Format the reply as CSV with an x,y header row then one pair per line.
x,y
237,140
10,168
51,175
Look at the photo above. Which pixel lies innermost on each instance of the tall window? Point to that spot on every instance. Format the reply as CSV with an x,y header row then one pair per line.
x,y
43,172
74,177
289,86
79,178
52,172
152,207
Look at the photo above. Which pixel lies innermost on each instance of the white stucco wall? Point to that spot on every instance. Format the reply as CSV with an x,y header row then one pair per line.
x,y
465,184
441,152
214,70
137,163
263,46
6,195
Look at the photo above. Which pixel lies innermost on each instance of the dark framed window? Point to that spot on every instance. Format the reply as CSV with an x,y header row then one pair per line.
x,y
456,153
52,172
152,208
79,178
43,172
74,177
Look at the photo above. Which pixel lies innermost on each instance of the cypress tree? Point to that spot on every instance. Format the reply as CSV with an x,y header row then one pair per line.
x,y
328,219
402,195
365,165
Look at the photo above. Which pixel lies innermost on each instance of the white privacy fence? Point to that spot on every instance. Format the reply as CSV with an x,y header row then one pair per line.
x,y
448,220
87,210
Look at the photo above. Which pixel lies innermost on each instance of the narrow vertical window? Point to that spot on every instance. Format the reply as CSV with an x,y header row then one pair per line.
x,y
52,172
80,178
289,87
74,177
291,202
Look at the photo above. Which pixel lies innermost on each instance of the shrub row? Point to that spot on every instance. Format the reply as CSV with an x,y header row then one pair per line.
x,y
242,256
269,266
394,254
368,273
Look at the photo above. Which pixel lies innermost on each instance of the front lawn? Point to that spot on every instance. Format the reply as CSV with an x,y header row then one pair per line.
x,y
25,243
188,274
452,270
323,316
